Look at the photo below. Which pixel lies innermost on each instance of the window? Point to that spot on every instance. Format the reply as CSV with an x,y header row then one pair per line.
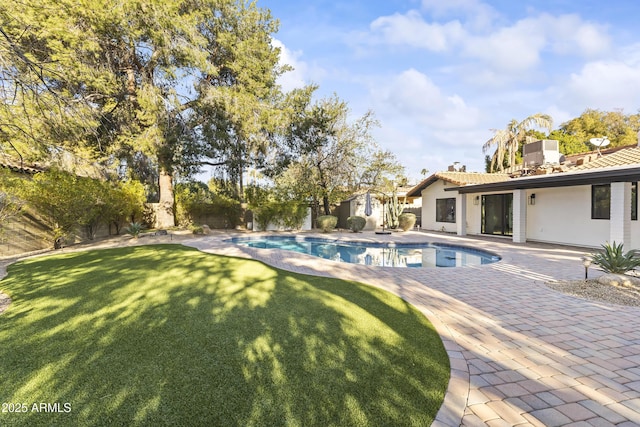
x,y
601,201
446,210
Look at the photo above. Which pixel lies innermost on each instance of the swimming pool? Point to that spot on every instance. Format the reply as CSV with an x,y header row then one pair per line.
x,y
424,255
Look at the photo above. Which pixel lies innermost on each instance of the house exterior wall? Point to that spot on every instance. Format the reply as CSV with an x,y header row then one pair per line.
x,y
559,215
563,215
429,196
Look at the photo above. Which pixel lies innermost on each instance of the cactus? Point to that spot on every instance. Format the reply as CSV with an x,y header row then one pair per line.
x,y
394,210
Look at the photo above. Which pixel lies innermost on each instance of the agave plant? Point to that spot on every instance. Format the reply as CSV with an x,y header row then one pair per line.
x,y
134,229
614,260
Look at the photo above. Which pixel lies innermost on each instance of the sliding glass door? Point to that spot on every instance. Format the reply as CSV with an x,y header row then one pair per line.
x,y
497,214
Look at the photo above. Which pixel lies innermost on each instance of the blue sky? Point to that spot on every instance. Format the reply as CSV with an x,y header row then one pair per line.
x,y
440,74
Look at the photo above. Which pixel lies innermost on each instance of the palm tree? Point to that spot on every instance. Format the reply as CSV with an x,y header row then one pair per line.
x,y
509,139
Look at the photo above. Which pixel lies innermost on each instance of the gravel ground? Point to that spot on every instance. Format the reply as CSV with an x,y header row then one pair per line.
x,y
595,291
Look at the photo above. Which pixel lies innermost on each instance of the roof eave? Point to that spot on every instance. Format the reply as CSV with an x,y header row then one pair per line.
x,y
566,179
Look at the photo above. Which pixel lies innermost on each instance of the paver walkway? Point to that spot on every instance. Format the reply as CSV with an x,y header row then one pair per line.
x,y
521,354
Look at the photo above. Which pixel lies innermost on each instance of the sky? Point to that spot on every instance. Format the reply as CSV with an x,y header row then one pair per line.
x,y
440,75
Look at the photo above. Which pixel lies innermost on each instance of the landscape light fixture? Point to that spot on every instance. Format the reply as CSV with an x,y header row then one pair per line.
x,y
586,261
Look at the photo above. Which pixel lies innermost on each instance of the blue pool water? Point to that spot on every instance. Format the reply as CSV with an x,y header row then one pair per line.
x,y
426,255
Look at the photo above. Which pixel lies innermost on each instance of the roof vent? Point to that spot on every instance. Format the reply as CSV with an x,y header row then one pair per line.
x,y
541,152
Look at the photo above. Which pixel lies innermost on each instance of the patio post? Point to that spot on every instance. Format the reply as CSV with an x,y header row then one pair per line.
x,y
620,218
519,216
461,214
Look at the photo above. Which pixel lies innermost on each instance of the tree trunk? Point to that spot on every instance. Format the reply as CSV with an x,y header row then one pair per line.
x,y
165,215
325,204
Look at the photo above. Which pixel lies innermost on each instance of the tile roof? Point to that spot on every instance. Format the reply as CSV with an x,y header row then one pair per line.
x,y
623,157
17,167
464,178
458,178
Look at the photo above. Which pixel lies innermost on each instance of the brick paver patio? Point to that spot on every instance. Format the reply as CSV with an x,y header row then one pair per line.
x,y
521,353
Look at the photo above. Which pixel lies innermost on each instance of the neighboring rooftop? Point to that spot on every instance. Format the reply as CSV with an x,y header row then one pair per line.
x,y
458,178
17,167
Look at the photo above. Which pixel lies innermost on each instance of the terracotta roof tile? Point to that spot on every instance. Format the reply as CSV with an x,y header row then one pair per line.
x,y
624,157
464,178
458,178
17,167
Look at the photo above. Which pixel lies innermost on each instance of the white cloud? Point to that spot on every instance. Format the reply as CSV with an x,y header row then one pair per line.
x,y
302,73
510,50
425,126
478,14
520,47
410,29
413,95
604,85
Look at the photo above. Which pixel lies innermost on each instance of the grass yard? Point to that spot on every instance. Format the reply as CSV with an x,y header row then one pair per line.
x,y
168,335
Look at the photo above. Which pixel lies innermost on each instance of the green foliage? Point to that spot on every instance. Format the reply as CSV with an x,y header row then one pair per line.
x,y
406,221
10,202
619,128
194,200
107,81
356,223
277,207
125,203
327,222
196,229
135,228
289,215
69,201
327,156
66,200
170,324
613,259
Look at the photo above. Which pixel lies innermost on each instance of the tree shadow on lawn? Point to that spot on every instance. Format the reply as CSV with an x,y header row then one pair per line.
x,y
169,335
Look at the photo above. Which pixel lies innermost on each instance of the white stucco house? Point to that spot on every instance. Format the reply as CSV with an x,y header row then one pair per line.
x,y
586,201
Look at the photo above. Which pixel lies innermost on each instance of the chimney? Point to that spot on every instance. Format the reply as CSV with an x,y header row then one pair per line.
x,y
639,138
456,167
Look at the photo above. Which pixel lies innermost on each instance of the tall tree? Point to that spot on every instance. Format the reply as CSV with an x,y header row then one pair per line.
x,y
332,155
619,128
509,139
145,71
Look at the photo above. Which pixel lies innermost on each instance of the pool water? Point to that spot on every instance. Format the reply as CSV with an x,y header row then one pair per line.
x,y
425,255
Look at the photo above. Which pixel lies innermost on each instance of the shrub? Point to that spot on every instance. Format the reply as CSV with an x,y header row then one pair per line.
x,y
195,202
356,223
196,229
327,222
614,260
406,221
134,229
290,215
266,214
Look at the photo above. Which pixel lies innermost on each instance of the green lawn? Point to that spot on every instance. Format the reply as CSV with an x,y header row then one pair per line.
x,y
159,335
